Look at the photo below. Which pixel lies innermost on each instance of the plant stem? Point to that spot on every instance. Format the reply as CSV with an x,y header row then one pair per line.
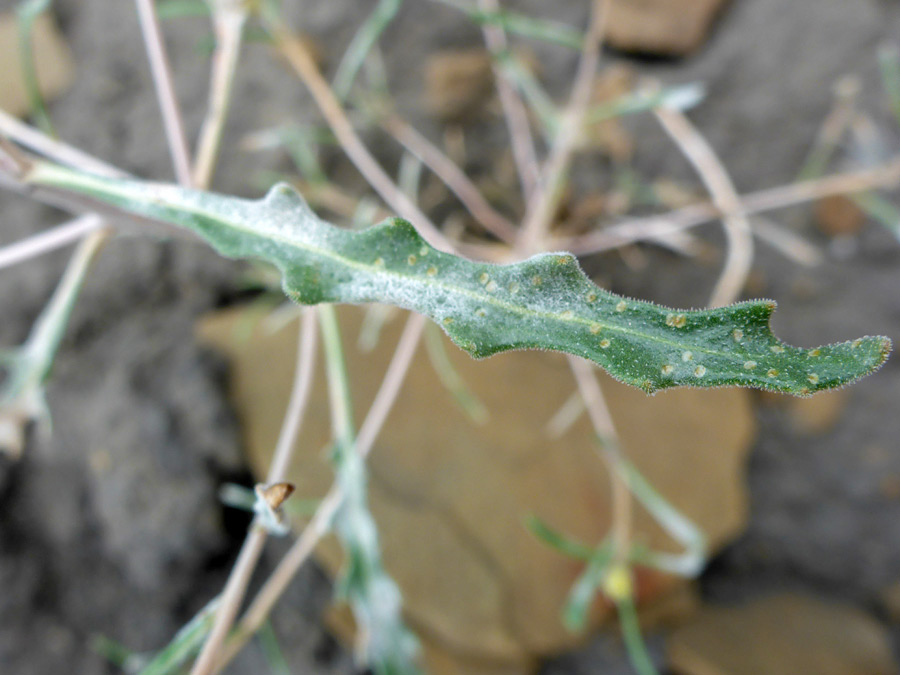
x,y
48,240
543,206
452,176
637,229
228,21
712,172
239,578
165,90
274,587
605,428
514,111
39,142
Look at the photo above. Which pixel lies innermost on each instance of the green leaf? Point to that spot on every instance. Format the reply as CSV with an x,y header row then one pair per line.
x,y
545,302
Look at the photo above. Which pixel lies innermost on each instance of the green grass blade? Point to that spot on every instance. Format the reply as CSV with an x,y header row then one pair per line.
x,y
362,44
545,302
27,13
185,644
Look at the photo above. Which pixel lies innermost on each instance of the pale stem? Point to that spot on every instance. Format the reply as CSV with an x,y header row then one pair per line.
x,y
303,376
514,111
50,326
228,22
49,240
252,548
791,245
601,419
165,90
543,207
298,56
319,525
771,199
452,176
738,233
39,142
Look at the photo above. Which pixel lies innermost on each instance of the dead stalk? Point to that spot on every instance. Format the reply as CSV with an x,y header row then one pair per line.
x,y
165,90
49,240
252,548
605,428
739,236
514,111
228,23
452,176
772,199
543,207
38,142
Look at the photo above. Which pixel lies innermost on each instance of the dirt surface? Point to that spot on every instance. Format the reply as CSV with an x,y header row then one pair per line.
x,y
113,526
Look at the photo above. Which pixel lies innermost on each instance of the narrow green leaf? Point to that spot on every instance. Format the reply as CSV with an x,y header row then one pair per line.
x,y
27,13
545,302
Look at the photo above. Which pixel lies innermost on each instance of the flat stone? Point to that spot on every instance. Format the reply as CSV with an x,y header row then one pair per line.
x,y
660,27
782,635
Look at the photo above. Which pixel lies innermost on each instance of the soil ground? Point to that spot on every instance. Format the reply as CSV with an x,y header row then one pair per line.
x,y
112,526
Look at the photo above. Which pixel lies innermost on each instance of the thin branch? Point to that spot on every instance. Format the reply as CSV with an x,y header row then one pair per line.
x,y
452,176
299,58
543,206
320,523
303,375
738,234
600,417
228,22
39,142
239,578
173,122
48,240
514,111
771,199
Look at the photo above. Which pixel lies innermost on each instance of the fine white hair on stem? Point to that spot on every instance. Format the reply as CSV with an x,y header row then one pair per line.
x,y
738,233
173,122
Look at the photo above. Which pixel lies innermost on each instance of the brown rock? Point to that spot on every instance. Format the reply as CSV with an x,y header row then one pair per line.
x,y
451,496
782,635
660,27
53,62
458,83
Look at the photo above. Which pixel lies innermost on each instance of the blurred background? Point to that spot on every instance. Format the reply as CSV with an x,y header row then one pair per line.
x,y
113,527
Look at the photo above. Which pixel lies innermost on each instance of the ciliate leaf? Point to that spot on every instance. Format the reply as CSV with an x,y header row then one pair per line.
x,y
545,302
